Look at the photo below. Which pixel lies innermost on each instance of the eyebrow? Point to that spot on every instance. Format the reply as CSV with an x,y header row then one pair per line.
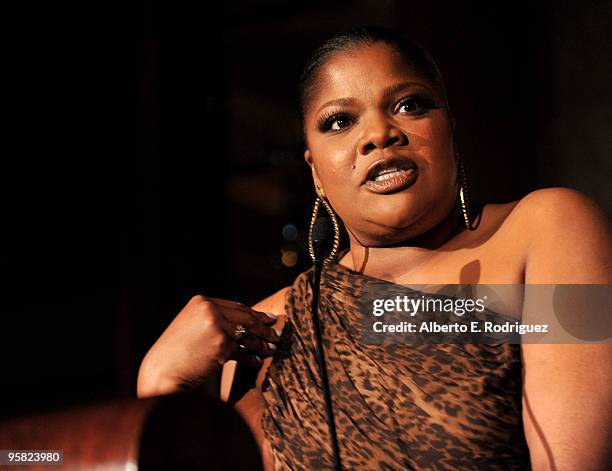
x,y
387,92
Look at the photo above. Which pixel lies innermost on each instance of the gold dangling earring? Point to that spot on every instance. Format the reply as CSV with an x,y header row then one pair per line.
x,y
321,200
464,199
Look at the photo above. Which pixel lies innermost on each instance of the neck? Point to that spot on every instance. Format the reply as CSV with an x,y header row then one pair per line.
x,y
384,260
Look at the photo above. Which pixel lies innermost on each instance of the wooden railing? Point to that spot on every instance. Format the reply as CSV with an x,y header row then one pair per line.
x,y
177,432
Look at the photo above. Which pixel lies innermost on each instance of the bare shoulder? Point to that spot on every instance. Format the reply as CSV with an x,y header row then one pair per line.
x,y
546,205
556,212
553,235
275,303
550,206
570,237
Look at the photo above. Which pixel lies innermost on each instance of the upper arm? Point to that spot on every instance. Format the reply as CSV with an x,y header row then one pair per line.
x,y
567,389
250,406
275,304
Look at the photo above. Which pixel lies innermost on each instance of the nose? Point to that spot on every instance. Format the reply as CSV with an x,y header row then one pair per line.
x,y
380,133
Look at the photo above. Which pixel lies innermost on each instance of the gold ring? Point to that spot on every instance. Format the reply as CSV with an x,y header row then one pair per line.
x,y
239,331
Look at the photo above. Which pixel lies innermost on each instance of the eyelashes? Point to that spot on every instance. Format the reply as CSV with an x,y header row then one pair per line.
x,y
417,103
420,103
326,121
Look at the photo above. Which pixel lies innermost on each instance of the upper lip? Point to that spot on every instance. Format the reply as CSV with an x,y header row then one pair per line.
x,y
399,161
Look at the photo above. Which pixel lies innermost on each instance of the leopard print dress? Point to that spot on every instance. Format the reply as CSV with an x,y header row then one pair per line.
x,y
396,407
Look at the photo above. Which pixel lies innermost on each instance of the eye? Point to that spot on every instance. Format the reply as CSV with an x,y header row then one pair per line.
x,y
333,122
415,105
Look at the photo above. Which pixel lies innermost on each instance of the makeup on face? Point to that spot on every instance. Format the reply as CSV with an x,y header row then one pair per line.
x,y
380,143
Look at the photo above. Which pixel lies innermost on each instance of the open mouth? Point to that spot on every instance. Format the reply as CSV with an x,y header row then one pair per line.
x,y
391,175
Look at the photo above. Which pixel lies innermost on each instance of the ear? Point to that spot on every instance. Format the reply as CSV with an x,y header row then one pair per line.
x,y
310,162
308,157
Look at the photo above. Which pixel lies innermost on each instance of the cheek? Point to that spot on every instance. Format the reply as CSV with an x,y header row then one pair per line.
x,y
335,171
334,167
436,148
437,134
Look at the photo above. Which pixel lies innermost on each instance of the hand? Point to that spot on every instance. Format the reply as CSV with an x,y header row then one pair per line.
x,y
200,339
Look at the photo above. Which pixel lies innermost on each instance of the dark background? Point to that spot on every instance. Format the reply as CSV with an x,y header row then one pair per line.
x,y
153,152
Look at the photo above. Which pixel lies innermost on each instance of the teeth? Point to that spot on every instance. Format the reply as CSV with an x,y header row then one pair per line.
x,y
388,170
389,173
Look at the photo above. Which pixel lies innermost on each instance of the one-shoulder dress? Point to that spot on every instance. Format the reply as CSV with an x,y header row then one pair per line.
x,y
396,407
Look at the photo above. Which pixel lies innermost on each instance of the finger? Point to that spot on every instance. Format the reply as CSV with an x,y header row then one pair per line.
x,y
252,342
243,355
227,303
257,346
250,323
266,318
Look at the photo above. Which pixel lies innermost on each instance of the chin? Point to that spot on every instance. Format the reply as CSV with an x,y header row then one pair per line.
x,y
394,212
393,218
389,223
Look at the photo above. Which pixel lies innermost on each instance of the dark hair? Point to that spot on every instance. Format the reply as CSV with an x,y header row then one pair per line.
x,y
413,53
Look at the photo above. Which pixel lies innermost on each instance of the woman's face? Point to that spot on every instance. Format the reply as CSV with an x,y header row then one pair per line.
x,y
380,145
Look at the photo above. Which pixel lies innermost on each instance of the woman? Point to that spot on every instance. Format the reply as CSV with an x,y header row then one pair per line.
x,y
380,143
